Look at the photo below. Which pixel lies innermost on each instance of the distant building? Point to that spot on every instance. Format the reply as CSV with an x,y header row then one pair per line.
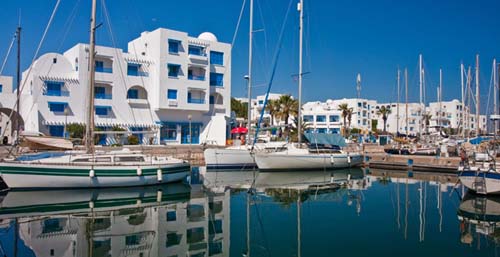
x,y
258,104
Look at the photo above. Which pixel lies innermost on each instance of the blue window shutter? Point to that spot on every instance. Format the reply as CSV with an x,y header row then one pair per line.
x,y
1,88
172,94
216,58
212,99
132,94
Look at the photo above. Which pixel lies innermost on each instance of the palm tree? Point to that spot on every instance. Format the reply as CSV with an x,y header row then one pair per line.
x,y
273,107
384,112
294,137
427,121
344,109
288,107
349,118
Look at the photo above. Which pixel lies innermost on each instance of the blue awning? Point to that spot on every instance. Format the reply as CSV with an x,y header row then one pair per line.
x,y
174,40
64,103
174,64
103,106
326,139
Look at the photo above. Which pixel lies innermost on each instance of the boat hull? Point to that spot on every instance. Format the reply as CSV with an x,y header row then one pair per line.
x,y
491,181
270,162
229,159
23,176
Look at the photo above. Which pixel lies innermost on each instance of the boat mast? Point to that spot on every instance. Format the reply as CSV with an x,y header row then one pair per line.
x,y
440,97
89,133
469,97
406,104
495,94
463,101
477,95
397,106
18,78
421,79
300,7
249,76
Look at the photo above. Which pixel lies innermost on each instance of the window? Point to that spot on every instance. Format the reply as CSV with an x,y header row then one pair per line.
x,y
133,94
359,104
173,46
308,118
335,130
173,70
100,93
322,130
216,58
261,101
172,94
99,66
56,131
215,227
334,118
102,110
1,88
54,60
196,50
57,107
216,79
169,132
171,216
132,69
212,99
53,88
320,118
132,240
173,239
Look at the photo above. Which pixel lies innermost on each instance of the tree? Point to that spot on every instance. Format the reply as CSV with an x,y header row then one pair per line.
x,y
427,121
374,125
239,108
288,107
294,137
384,112
76,130
273,107
349,117
344,109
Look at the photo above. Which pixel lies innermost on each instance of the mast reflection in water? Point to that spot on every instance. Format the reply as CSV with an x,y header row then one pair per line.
x,y
346,213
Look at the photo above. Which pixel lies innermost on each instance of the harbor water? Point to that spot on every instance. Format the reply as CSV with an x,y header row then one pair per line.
x,y
356,212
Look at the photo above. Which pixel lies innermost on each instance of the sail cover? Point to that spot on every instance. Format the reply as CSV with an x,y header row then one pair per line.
x,y
326,139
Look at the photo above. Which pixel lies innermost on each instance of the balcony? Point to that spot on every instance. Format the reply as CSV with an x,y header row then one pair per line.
x,y
56,93
194,77
103,96
104,69
137,73
196,101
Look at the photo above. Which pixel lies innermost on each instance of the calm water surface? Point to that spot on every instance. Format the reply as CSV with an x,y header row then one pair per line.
x,y
341,213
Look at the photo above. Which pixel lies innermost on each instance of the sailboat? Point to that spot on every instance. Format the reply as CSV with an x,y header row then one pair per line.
x,y
238,157
91,169
316,156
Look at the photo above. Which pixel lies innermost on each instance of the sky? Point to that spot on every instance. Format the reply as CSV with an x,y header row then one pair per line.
x,y
341,38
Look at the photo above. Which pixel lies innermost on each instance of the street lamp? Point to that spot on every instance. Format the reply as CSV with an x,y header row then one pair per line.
x,y
190,134
66,111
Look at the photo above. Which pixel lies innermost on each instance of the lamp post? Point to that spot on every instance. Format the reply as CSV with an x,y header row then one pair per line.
x,y
190,134
66,111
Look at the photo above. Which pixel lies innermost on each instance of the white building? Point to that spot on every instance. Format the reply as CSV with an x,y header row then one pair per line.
x,y
7,103
414,118
449,114
258,104
321,117
167,88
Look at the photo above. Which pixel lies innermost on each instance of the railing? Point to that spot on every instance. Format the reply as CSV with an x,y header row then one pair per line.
x,y
138,73
104,70
103,96
193,77
196,101
56,93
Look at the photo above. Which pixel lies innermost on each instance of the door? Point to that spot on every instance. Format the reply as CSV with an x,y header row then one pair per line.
x,y
195,133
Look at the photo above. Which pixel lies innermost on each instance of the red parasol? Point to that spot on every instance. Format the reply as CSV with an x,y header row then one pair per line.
x,y
239,130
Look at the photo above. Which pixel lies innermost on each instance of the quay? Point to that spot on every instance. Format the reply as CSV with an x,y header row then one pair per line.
x,y
375,157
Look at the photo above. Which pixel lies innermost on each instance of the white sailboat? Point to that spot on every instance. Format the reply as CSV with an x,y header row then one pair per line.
x,y
91,169
300,157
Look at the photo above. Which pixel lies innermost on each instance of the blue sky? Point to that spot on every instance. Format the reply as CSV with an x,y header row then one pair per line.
x,y
342,38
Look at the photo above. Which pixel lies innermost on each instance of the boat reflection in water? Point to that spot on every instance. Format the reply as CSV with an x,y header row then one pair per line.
x,y
151,221
479,216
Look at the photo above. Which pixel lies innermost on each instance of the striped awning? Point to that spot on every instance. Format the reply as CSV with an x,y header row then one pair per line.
x,y
59,79
102,124
198,42
137,60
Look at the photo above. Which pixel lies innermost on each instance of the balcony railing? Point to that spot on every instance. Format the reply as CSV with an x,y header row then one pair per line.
x,y
138,73
103,96
56,93
196,101
193,77
104,70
